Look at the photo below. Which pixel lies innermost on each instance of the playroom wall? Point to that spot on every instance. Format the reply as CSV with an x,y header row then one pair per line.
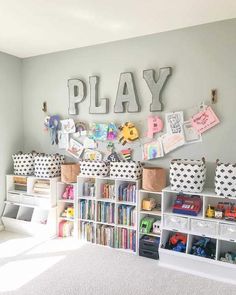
x,y
10,115
202,58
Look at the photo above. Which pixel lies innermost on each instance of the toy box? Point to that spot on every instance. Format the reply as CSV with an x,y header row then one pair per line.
x,y
187,205
148,247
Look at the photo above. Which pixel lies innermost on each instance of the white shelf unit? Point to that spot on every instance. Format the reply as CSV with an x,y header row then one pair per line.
x,y
155,213
221,232
63,204
29,212
94,221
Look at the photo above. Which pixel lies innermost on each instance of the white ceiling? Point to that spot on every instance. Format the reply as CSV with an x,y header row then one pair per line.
x,y
33,27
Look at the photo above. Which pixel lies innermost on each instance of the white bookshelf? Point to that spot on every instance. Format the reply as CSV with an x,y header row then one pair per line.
x,y
98,198
221,232
29,212
156,213
63,204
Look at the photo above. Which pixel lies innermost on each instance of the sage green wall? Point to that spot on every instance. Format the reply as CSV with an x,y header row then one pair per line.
x,y
202,58
10,115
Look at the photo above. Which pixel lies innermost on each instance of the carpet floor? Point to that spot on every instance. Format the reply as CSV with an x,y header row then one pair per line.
x,y
66,267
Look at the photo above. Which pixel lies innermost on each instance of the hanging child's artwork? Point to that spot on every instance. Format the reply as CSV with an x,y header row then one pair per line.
x,y
112,131
152,150
75,148
127,154
155,125
68,126
63,140
204,120
98,131
53,126
174,122
89,143
80,129
92,155
171,142
128,133
190,133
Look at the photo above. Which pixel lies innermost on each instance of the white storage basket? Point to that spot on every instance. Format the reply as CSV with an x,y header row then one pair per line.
x,y
47,166
128,170
94,168
187,175
23,163
225,179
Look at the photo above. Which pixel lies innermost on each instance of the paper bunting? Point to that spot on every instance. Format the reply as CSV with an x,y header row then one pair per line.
x,y
155,125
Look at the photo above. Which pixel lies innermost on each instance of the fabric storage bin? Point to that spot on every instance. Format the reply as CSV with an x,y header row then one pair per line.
x,y
176,222
187,175
15,198
94,168
69,172
203,227
23,163
127,170
47,166
228,231
154,179
225,179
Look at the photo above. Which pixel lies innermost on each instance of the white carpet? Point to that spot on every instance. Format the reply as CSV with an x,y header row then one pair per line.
x,y
65,267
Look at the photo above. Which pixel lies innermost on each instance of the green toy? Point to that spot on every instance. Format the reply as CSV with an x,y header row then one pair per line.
x,y
146,224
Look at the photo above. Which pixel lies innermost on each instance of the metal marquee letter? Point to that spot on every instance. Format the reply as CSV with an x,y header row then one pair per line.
x,y
156,87
94,107
77,91
126,94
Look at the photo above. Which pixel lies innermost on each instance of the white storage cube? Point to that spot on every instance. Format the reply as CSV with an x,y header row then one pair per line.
x,y
203,227
27,200
15,198
40,216
42,202
228,231
175,222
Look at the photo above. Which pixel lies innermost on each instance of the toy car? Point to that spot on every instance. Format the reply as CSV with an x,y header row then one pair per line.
x,y
230,213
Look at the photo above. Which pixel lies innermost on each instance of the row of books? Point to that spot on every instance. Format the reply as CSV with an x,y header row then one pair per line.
x,y
127,192
87,232
105,212
126,215
108,191
87,209
116,237
89,188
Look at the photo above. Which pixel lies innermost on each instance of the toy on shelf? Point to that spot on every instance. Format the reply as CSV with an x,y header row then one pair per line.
x,y
156,227
177,242
187,205
210,213
89,188
68,212
149,247
204,247
149,204
229,257
68,193
65,229
223,210
146,224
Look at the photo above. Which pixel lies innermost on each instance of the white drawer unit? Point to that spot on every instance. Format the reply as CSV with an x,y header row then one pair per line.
x,y
175,222
228,231
14,197
203,227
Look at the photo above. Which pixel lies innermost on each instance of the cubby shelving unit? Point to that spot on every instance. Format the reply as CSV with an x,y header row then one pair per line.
x,y
104,195
65,203
156,212
222,234
27,211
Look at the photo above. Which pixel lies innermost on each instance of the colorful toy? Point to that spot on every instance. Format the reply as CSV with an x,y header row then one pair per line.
x,y
68,212
229,257
210,213
230,213
187,205
177,242
204,247
98,131
146,224
128,133
149,204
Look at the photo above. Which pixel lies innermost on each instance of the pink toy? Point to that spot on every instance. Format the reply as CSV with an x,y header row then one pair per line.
x,y
155,124
68,193
71,192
